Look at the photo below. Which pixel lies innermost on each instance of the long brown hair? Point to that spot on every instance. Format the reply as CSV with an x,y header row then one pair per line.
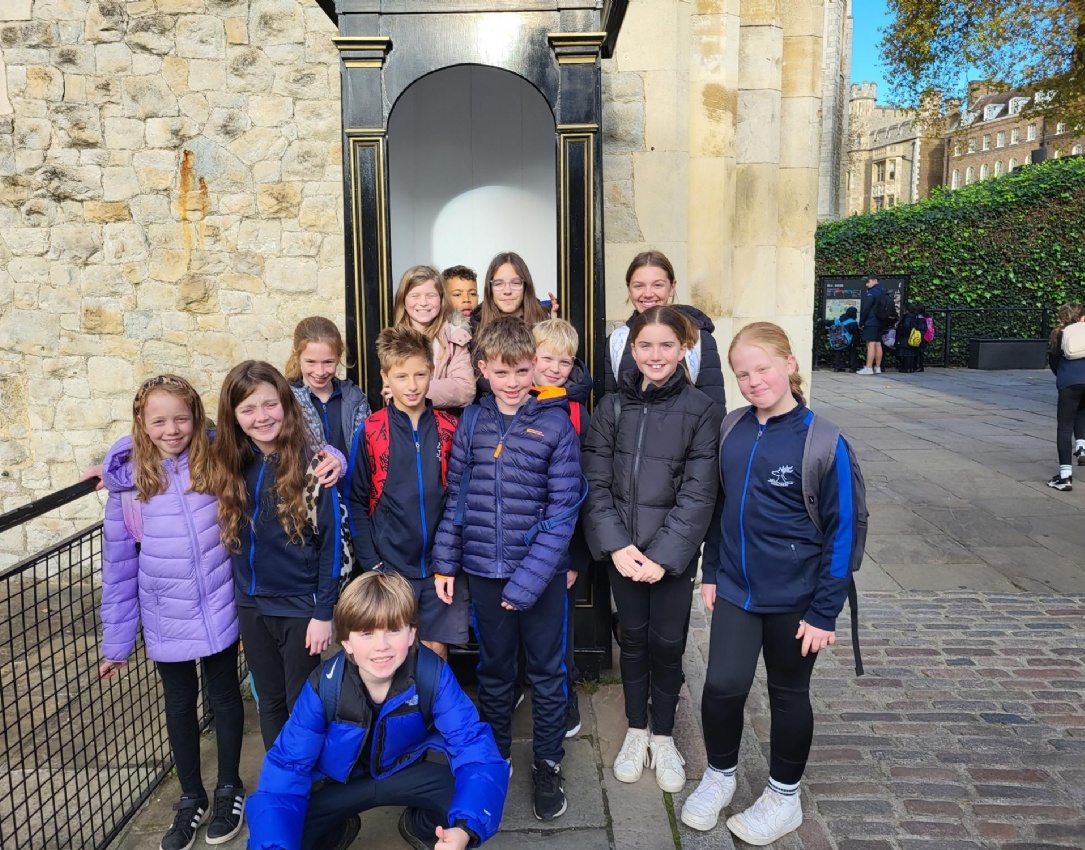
x,y
531,310
773,340
655,259
312,329
232,452
414,277
150,475
683,328
1068,314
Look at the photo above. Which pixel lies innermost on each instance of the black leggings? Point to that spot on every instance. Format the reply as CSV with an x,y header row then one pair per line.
x,y
1070,416
654,619
738,637
181,692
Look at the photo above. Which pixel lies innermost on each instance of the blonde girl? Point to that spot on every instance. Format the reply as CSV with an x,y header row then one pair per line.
x,y
333,407
164,566
421,304
285,572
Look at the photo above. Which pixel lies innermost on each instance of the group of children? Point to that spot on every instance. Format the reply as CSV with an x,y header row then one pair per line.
x,y
459,511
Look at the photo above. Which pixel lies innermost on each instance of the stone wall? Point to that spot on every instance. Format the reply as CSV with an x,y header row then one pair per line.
x,y
170,200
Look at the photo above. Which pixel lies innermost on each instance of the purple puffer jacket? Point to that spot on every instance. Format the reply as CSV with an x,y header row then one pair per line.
x,y
179,584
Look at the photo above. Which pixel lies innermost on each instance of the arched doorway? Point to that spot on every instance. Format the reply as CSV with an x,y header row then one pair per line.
x,y
471,172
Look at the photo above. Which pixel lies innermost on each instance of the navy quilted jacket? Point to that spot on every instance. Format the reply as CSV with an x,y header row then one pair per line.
x,y
534,476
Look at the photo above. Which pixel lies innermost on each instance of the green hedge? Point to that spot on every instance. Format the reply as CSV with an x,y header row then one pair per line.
x,y
1009,241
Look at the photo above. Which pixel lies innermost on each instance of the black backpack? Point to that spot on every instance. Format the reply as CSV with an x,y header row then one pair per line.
x,y
427,674
885,310
819,454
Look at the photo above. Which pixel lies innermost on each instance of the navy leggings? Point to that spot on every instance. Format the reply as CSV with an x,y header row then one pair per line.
x,y
738,638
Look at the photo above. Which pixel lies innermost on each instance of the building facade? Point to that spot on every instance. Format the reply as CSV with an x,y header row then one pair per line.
x,y
835,109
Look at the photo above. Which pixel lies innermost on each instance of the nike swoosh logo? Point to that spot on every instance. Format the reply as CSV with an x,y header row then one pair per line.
x,y
331,671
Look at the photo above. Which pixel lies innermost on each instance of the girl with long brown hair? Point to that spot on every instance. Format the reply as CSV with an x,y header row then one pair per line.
x,y
509,291
286,572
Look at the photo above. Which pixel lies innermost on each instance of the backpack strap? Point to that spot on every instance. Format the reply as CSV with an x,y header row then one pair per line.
x,y
616,402
331,684
554,521
726,427
467,422
378,447
132,511
818,457
427,677
446,431
574,416
617,348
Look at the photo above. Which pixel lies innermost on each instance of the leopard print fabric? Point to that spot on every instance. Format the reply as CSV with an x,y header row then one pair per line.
x,y
312,492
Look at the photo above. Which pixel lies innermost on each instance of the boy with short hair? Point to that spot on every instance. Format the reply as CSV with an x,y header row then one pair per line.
x,y
514,491
361,727
461,288
398,466
556,342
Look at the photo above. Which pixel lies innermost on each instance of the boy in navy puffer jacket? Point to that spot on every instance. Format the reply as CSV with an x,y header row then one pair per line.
x,y
507,525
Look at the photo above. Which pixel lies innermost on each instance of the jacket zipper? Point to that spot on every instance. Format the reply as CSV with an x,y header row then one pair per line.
x,y
196,560
421,499
636,472
742,518
252,529
497,491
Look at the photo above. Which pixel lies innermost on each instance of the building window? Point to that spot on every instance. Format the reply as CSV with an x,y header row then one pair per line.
x,y
1076,151
1013,164
955,181
892,170
971,145
1031,136
1060,127
998,168
879,172
878,204
1017,104
1028,158
1015,135
892,201
968,175
1000,139
1058,153
983,171
956,148
986,141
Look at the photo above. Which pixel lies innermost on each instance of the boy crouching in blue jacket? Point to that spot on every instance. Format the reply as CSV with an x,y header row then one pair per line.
x,y
358,733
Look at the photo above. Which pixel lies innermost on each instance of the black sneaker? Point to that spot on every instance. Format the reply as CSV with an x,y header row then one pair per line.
x,y
1060,483
549,790
228,814
191,812
572,715
351,827
1079,453
409,834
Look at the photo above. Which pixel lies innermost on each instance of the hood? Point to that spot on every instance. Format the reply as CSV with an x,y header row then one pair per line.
x,y
456,330
579,385
117,472
700,320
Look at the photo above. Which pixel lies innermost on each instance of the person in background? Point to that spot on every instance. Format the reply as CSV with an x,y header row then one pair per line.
x,y
849,325
1070,413
926,320
872,330
461,288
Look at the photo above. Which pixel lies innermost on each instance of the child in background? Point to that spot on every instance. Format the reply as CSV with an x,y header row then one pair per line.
x,y
421,304
461,288
849,328
367,736
514,490
509,291
774,583
556,342
333,408
399,462
286,572
169,571
650,463
925,321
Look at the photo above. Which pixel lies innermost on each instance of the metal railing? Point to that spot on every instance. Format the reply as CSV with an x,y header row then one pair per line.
x,y
955,326
79,755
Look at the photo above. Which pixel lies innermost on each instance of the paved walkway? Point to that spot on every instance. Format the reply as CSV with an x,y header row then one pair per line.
x,y
968,730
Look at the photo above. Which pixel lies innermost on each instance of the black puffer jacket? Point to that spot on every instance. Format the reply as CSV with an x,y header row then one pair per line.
x,y
709,376
652,476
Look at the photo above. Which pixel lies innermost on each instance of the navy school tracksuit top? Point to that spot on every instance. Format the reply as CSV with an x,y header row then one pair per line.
x,y
766,555
401,531
274,575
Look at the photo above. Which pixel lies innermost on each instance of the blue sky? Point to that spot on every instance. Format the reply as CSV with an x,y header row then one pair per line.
x,y
867,17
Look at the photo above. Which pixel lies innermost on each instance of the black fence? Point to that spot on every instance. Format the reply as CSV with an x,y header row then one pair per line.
x,y
955,326
79,755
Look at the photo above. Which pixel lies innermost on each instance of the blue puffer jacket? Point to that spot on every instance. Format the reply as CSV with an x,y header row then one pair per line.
x,y
766,555
522,476
308,749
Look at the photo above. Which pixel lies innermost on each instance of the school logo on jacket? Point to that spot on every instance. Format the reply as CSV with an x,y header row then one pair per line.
x,y
779,476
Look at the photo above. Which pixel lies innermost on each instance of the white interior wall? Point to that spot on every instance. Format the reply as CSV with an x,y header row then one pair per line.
x,y
472,165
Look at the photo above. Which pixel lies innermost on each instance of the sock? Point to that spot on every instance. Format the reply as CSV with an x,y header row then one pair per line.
x,y
1066,471
728,772
783,790
1079,444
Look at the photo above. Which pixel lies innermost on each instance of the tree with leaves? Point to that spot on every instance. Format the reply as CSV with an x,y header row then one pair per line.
x,y
1035,45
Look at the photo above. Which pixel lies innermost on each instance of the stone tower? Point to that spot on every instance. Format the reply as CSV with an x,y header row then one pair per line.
x,y
834,109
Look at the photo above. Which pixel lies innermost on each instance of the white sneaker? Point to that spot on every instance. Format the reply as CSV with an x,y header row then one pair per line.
x,y
866,370
667,761
771,817
632,757
877,370
702,808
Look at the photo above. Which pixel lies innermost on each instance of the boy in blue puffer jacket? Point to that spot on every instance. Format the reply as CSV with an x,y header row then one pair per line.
x,y
367,740
514,491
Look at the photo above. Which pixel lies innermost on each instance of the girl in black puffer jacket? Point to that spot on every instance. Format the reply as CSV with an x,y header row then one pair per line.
x,y
650,461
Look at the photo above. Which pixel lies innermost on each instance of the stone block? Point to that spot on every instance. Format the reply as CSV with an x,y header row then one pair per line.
x,y
198,294
119,184
101,281
207,74
237,30
666,110
290,274
241,282
29,273
802,60
304,159
307,82
249,69
800,121
168,265
103,212
712,119
170,132
151,34
220,168
175,73
279,200
146,64
63,183
798,206
109,376
112,58
147,97
271,111
300,243
761,50
44,82
619,214
226,125
321,214
754,282
623,126
195,106
16,10
259,143
33,133
276,22
201,37
261,237
123,133
124,243
29,241
104,317
662,212
319,120
650,35
757,137
78,242
81,123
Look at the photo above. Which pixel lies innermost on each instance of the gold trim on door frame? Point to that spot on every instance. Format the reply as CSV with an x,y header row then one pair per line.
x,y
587,140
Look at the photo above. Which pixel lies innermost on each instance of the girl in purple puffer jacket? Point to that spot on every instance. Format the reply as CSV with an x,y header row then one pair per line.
x,y
164,564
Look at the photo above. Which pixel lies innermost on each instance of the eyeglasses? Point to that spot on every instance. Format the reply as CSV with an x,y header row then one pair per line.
x,y
515,284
